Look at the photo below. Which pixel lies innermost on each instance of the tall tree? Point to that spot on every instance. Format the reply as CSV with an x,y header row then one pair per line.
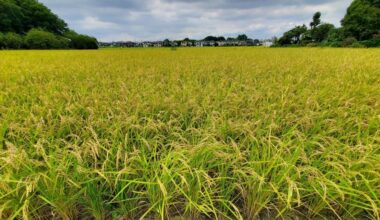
x,y
11,17
293,36
242,37
22,15
316,20
321,32
362,20
210,38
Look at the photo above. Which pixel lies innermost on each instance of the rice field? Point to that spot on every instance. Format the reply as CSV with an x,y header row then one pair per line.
x,y
192,133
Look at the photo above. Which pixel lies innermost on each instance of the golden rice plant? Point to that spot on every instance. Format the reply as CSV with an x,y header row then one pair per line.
x,y
195,133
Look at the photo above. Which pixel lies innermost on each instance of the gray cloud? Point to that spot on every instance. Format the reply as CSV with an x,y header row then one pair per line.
x,y
177,19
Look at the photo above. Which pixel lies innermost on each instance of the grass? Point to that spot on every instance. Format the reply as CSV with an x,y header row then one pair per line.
x,y
211,133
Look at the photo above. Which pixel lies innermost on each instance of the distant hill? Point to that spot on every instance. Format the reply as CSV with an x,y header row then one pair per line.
x,y
30,24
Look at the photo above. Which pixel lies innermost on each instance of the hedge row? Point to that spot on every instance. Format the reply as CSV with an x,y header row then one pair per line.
x,y
40,39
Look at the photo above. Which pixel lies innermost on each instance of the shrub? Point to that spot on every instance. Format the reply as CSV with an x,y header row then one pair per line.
x,y
79,41
357,45
375,42
39,39
2,45
348,41
335,35
335,44
312,45
12,41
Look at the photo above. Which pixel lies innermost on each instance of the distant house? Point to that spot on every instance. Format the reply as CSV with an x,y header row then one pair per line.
x,y
199,44
250,42
204,43
147,44
189,43
105,44
128,44
243,43
221,43
174,44
158,44
211,43
186,44
267,43
232,43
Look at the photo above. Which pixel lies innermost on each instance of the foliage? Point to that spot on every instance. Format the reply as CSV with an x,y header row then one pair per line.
x,y
21,16
11,17
221,38
374,42
2,44
362,20
349,41
212,38
79,41
318,33
242,37
12,41
335,35
316,20
357,45
227,133
321,32
293,36
39,39
166,43
26,16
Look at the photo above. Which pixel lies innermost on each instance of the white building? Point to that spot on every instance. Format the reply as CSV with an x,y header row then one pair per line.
x,y
267,43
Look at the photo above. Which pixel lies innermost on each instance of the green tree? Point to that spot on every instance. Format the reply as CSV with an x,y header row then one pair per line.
x,y
221,38
293,36
22,15
242,37
362,20
79,41
316,20
321,32
39,39
2,44
336,34
166,43
374,42
210,38
11,17
13,41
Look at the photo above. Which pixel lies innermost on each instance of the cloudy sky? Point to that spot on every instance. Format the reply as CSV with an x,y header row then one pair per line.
x,y
112,20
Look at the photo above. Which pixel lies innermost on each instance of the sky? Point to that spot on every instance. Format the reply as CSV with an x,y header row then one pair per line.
x,y
140,20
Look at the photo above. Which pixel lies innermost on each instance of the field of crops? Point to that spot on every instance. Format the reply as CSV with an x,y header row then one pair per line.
x,y
198,133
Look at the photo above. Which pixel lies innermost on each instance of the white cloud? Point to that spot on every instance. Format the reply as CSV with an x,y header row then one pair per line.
x,y
177,19
94,23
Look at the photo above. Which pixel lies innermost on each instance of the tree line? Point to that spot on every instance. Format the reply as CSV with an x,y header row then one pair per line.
x,y
360,28
215,39
29,24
